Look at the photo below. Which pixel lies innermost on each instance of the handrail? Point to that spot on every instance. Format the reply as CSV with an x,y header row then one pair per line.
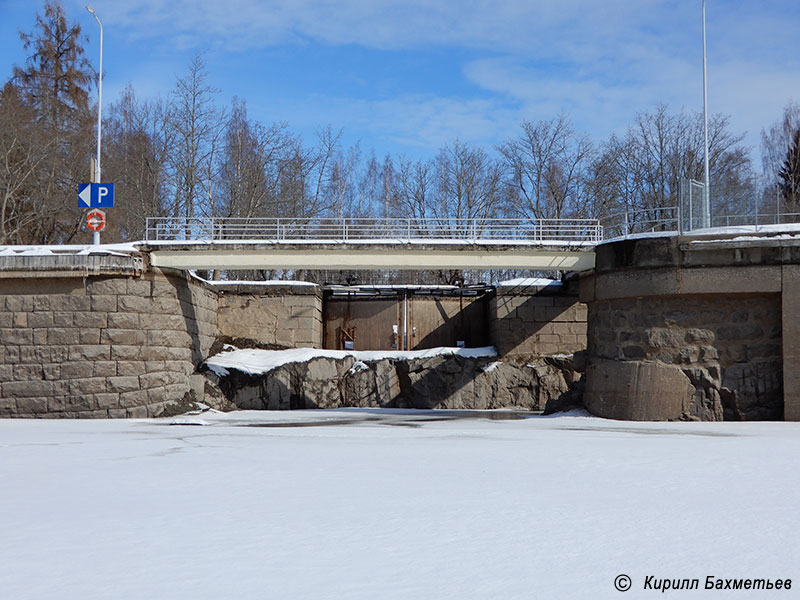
x,y
404,230
359,229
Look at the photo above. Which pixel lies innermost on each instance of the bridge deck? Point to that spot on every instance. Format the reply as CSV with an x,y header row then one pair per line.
x,y
373,254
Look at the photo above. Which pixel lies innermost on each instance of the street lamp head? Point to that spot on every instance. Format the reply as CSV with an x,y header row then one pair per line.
x,y
89,8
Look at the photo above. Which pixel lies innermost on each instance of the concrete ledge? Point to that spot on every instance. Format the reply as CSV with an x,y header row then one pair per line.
x,y
672,281
254,289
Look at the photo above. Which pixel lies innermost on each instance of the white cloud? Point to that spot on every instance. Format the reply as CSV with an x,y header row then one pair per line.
x,y
388,24
419,123
600,61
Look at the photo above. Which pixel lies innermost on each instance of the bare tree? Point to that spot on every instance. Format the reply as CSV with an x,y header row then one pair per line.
x,y
24,149
253,159
469,184
320,171
643,170
137,145
415,187
197,125
340,189
547,164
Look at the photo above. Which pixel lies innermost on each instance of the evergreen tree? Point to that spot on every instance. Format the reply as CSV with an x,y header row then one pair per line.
x,y
789,175
56,77
54,85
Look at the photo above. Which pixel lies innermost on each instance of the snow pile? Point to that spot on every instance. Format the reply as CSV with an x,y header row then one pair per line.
x,y
491,366
258,362
748,232
529,281
70,249
734,229
266,283
357,367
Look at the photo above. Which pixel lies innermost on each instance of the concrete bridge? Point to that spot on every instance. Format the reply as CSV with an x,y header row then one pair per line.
x,y
354,243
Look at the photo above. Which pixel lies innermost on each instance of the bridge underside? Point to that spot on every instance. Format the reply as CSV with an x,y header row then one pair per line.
x,y
364,257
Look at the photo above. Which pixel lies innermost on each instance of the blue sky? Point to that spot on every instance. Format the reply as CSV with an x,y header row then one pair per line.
x,y
406,77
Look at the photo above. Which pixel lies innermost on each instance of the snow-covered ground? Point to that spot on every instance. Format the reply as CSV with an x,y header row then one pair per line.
x,y
258,362
391,504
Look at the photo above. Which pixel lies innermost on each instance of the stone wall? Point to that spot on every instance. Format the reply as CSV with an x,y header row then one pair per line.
x,y
101,346
728,348
693,328
537,320
286,316
103,335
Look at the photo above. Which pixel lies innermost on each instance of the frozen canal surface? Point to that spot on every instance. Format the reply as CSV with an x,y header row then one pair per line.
x,y
374,505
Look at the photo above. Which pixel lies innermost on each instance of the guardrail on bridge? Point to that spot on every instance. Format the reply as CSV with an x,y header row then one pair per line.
x,y
360,229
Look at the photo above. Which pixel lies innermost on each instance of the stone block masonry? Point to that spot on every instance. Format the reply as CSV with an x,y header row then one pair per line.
x,y
114,338
717,315
286,316
537,320
115,345
728,348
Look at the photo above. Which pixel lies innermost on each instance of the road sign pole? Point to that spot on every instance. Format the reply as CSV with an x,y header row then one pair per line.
x,y
97,179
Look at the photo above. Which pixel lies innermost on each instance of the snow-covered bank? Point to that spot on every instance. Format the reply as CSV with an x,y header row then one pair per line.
x,y
258,362
248,507
453,378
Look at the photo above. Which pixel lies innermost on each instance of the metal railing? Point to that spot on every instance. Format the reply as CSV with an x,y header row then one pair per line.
x,y
588,231
646,220
754,220
360,229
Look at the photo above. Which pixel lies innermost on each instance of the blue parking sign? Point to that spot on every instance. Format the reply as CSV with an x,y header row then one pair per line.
x,y
96,195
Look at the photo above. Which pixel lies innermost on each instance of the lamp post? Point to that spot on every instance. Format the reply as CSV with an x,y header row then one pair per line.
x,y
707,187
96,236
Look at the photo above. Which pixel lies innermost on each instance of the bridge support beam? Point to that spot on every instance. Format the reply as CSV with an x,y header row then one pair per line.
x,y
410,257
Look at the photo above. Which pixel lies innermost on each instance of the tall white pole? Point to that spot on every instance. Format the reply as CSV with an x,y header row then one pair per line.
x,y
707,190
97,178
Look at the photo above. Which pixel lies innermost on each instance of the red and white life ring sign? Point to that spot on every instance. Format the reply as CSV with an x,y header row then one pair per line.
x,y
96,220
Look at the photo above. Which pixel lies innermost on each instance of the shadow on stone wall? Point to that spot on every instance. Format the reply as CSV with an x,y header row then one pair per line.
x,y
540,323
468,325
182,286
